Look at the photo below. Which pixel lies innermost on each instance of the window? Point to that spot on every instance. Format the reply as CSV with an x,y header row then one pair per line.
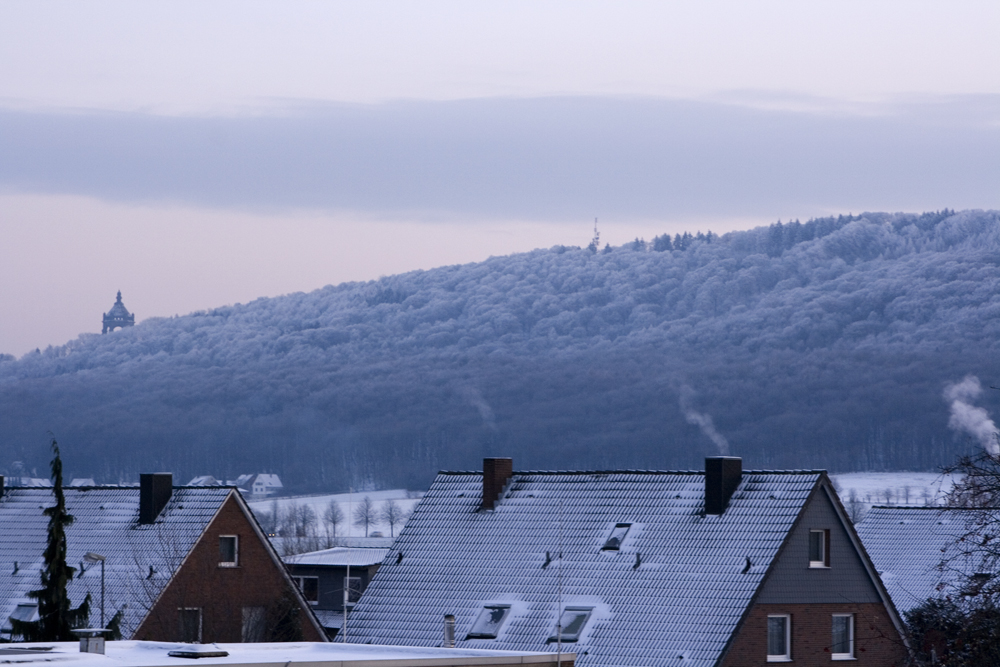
x,y
353,586
23,612
573,621
779,638
614,542
254,624
309,587
843,637
489,621
229,550
819,548
190,621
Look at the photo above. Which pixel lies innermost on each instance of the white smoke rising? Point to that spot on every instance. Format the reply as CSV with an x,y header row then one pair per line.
x,y
968,418
702,421
475,398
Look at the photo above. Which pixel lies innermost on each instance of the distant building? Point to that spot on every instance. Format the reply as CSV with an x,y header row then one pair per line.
x,y
263,484
260,485
186,564
323,575
83,481
118,317
721,568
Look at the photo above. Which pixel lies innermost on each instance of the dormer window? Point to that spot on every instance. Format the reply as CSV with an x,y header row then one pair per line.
x,y
573,620
614,542
489,622
819,548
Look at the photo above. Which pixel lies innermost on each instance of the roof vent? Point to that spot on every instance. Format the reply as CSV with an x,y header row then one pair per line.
x,y
722,475
496,472
155,489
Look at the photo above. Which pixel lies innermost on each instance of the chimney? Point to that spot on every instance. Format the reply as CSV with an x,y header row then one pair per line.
x,y
1,486
496,472
155,489
722,475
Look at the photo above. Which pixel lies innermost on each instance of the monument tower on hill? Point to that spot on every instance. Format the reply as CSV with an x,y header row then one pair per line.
x,y
118,316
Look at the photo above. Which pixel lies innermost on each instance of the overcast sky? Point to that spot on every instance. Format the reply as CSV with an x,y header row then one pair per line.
x,y
195,154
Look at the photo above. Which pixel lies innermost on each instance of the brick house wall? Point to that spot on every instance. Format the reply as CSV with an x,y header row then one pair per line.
x,y
876,641
223,593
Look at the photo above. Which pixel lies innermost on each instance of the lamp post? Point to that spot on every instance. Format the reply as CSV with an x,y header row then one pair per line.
x,y
91,557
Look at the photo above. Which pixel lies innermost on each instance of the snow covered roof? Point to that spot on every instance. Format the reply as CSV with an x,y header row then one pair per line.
x,y
907,546
140,558
339,556
313,654
677,585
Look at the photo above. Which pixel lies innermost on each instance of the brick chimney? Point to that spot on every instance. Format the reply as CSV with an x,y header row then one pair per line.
x,y
722,475
496,472
155,489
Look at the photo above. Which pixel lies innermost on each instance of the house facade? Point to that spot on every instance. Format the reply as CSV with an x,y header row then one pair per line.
x,y
323,575
717,568
184,564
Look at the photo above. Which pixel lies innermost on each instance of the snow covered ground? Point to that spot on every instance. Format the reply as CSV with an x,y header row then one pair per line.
x,y
894,488
406,500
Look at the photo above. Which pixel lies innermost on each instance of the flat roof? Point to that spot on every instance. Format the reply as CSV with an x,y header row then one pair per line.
x,y
312,654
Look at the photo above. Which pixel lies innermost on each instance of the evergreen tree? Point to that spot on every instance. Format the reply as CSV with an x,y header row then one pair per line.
x,y
55,617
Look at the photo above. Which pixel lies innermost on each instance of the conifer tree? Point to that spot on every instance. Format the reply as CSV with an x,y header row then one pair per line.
x,y
55,617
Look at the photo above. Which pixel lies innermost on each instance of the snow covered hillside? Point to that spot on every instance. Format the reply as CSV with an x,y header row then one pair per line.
x,y
825,344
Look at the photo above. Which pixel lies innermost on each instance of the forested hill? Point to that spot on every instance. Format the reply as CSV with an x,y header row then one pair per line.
x,y
823,344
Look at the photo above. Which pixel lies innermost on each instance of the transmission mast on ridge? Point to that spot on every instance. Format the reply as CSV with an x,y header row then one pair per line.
x,y
595,243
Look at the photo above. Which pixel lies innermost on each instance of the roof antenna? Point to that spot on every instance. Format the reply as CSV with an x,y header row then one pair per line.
x,y
559,613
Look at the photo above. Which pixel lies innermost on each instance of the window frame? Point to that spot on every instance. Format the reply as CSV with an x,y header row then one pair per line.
x,y
850,638
472,634
574,637
201,622
621,526
299,580
236,551
347,586
824,536
254,626
787,655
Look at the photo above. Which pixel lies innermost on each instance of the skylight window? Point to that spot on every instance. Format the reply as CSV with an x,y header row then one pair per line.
x,y
489,622
573,620
614,542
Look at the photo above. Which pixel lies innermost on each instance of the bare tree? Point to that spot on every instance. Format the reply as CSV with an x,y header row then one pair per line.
x,y
333,516
855,508
365,514
393,515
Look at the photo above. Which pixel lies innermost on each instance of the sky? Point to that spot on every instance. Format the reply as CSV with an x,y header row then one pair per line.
x,y
198,154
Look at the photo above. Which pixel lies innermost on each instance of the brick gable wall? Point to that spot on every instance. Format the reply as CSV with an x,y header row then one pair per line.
x,y
877,644
222,592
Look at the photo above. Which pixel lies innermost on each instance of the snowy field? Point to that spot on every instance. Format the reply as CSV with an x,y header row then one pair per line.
x,y
406,500
894,488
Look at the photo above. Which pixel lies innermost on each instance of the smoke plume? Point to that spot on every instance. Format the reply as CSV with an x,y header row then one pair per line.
x,y
968,418
475,398
702,421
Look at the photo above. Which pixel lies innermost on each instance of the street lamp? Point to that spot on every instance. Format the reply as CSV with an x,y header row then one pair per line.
x,y
91,557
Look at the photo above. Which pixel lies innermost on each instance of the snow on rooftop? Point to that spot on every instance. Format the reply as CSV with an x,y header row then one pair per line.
x,y
339,556
155,654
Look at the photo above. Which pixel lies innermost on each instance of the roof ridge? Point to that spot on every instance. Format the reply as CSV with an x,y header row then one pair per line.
x,y
939,508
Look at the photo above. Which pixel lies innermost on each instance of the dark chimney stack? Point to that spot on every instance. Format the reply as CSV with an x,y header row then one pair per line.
x,y
1,486
496,472
722,475
155,489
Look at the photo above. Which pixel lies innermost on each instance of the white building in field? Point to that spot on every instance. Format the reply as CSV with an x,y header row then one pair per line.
x,y
262,484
